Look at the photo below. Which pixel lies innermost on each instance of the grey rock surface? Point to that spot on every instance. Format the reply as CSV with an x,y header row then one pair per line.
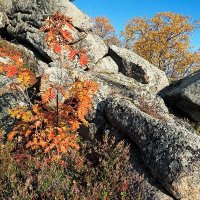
x,y
3,20
25,10
27,16
111,84
94,46
106,64
171,152
185,95
134,66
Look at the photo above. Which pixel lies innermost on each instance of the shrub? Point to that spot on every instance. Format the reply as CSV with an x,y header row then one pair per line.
x,y
99,170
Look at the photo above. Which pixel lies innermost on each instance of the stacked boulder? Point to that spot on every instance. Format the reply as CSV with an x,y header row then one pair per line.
x,y
185,95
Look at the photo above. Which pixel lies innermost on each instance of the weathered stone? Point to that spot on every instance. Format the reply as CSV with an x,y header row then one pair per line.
x,y
134,66
143,185
55,76
106,64
27,16
94,46
38,10
111,85
185,95
3,20
170,151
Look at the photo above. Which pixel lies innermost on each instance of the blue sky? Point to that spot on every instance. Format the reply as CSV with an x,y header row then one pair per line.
x,y
119,12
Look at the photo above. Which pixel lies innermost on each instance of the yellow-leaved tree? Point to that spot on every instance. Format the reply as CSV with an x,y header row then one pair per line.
x,y
104,28
164,41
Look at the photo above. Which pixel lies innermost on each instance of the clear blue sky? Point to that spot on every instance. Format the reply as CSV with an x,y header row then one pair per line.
x,y
119,11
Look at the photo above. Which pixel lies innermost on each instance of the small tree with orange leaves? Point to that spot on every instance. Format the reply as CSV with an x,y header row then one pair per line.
x,y
41,127
164,41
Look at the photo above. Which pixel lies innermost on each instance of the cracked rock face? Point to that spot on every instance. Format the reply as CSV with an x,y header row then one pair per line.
x,y
171,152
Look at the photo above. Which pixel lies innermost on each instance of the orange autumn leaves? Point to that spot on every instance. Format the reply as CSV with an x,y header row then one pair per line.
x,y
38,128
83,60
36,131
49,129
15,65
10,70
48,95
58,29
55,33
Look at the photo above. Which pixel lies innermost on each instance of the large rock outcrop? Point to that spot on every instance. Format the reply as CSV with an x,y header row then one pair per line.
x,y
170,151
185,95
25,18
134,66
